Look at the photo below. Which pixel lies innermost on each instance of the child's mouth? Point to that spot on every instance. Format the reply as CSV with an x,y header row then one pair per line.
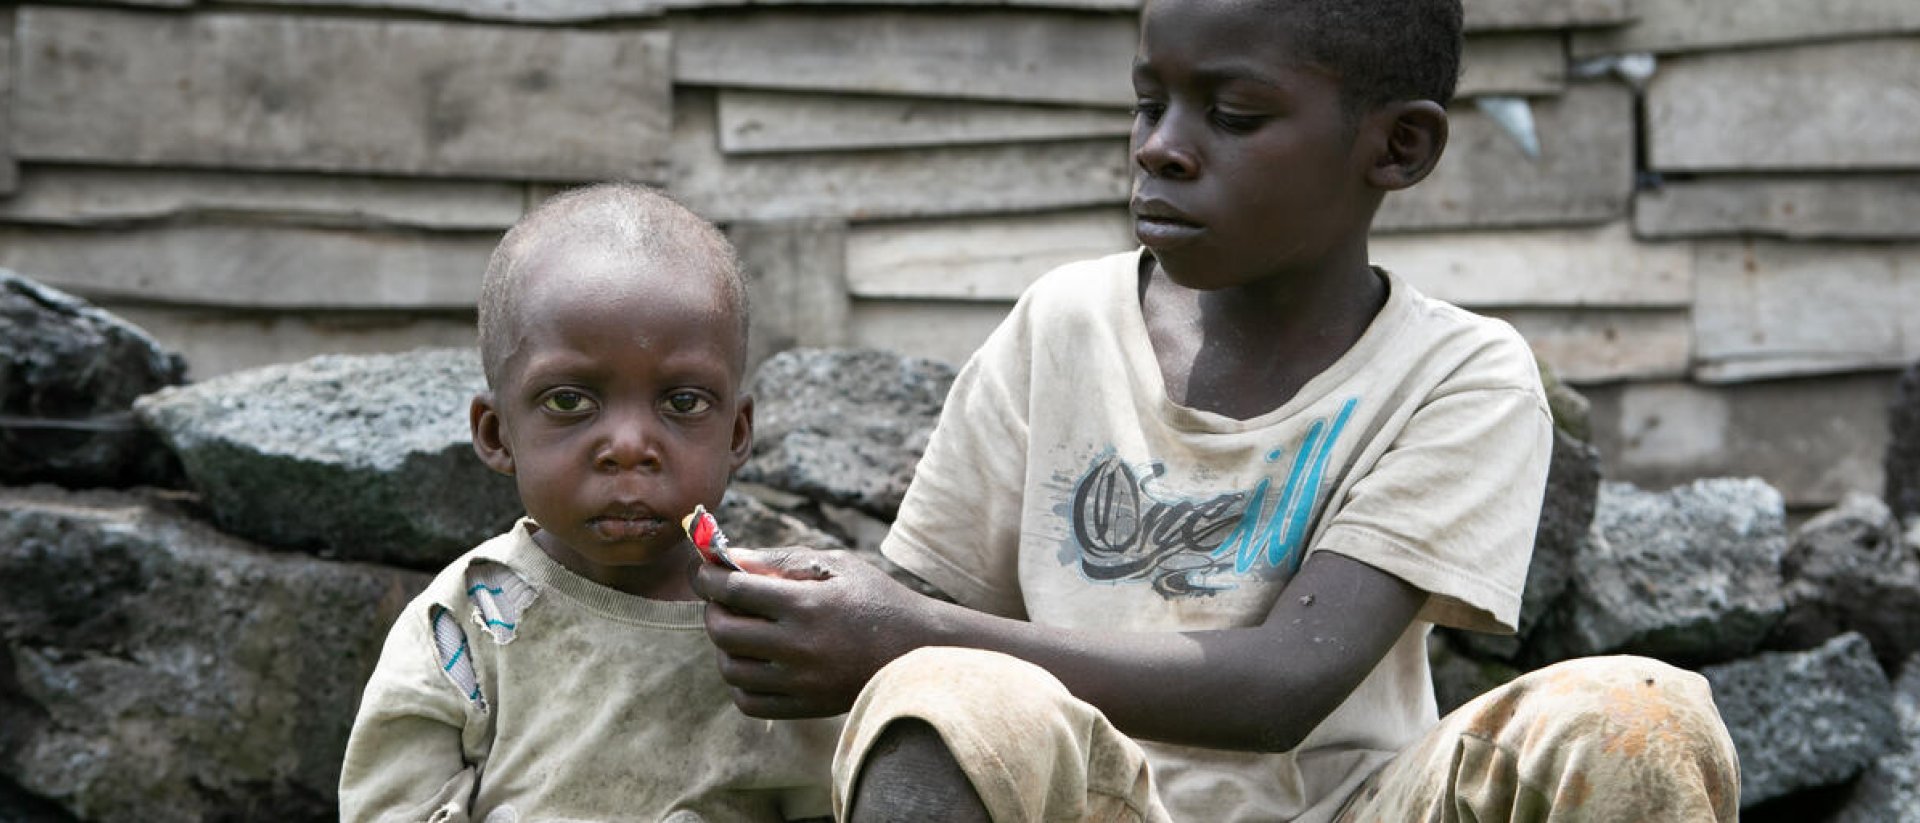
x,y
1162,232
625,527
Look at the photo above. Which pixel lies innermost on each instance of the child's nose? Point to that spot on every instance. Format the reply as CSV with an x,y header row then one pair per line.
x,y
1162,152
630,443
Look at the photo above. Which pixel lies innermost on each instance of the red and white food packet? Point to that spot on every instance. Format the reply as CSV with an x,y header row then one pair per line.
x,y
704,530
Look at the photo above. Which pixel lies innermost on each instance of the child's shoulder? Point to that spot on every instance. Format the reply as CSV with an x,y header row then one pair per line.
x,y
452,586
1479,346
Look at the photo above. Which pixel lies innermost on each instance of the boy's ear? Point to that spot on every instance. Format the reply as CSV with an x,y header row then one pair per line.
x,y
741,447
488,440
1415,135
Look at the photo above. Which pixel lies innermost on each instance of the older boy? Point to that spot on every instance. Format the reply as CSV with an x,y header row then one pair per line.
x,y
1215,494
560,671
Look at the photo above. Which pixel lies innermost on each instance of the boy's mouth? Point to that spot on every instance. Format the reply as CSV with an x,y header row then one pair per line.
x,y
1159,225
625,525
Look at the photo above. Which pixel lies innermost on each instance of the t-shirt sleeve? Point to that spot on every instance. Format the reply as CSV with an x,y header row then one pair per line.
x,y
405,760
959,526
1453,504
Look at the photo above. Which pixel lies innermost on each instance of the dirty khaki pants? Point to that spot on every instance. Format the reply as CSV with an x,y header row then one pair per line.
x,y
1595,739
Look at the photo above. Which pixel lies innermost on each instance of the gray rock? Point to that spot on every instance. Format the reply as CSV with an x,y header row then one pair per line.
x,y
1903,445
1689,575
158,670
1566,518
1890,790
69,372
1458,678
359,457
1801,720
1849,570
844,426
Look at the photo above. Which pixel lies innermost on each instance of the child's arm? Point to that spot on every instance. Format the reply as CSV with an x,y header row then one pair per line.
x,y
404,759
805,647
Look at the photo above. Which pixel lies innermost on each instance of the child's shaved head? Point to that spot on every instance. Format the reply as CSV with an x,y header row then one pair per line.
x,y
1382,50
621,218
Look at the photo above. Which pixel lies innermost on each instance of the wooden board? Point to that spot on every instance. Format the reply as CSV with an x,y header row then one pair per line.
x,y
81,196
1868,206
336,94
1519,63
1015,55
990,258
1829,106
255,266
1485,15
1697,25
1584,173
1767,308
1596,345
1598,266
218,341
876,185
9,170
1814,439
940,330
797,269
754,122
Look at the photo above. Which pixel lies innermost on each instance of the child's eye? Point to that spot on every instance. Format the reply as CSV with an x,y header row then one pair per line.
x,y
567,401
686,402
1232,122
1149,110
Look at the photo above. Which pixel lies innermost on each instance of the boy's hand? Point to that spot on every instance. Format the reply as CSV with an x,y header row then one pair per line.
x,y
800,631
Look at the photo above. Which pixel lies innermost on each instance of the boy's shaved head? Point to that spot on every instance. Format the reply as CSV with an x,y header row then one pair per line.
x,y
622,218
1382,50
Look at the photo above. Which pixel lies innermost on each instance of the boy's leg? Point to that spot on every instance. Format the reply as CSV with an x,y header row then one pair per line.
x,y
1029,749
1595,739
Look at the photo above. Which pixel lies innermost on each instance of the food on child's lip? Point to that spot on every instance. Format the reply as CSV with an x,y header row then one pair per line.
x,y
707,538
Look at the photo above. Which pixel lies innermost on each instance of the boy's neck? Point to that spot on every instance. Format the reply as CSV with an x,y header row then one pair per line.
x,y
1245,351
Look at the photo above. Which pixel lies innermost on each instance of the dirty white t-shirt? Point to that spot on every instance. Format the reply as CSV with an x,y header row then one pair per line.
x,y
514,690
1062,486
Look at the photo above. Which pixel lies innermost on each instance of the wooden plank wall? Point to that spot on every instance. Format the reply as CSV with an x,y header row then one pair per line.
x,y
262,181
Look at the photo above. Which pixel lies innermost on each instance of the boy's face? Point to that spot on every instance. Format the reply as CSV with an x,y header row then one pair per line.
x,y
1245,164
619,409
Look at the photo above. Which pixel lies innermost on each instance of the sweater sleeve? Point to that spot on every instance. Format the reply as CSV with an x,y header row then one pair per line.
x,y
405,760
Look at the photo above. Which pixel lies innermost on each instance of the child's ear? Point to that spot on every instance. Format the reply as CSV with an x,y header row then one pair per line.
x,y
1415,135
488,440
741,447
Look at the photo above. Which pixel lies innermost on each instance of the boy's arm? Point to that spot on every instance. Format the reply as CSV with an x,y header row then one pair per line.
x,y
805,647
405,758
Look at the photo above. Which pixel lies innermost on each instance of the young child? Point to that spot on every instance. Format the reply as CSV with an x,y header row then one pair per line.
x,y
1201,504
560,671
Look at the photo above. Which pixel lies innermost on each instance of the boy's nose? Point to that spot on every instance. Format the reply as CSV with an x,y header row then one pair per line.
x,y
1162,154
629,444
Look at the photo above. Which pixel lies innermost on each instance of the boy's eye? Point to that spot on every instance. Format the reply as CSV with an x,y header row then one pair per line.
x,y
567,401
1230,121
686,402
1149,110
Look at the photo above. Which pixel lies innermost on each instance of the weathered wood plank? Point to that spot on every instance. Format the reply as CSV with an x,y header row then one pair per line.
x,y
755,122
216,341
883,184
989,258
1851,207
1756,314
580,11
1696,25
1522,63
1599,345
336,94
1013,55
1829,106
797,271
941,330
9,169
1814,439
1584,173
81,196
1485,15
1598,266
255,266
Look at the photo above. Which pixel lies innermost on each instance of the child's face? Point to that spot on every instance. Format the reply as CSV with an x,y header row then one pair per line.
x,y
1245,165
619,409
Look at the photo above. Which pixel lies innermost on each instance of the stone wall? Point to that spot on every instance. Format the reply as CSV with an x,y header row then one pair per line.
x,y
1698,210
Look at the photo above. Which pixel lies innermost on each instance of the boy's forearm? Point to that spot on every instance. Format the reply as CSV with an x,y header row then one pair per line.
x,y
1257,689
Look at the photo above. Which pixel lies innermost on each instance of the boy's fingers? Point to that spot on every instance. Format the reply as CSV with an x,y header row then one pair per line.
x,y
804,564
